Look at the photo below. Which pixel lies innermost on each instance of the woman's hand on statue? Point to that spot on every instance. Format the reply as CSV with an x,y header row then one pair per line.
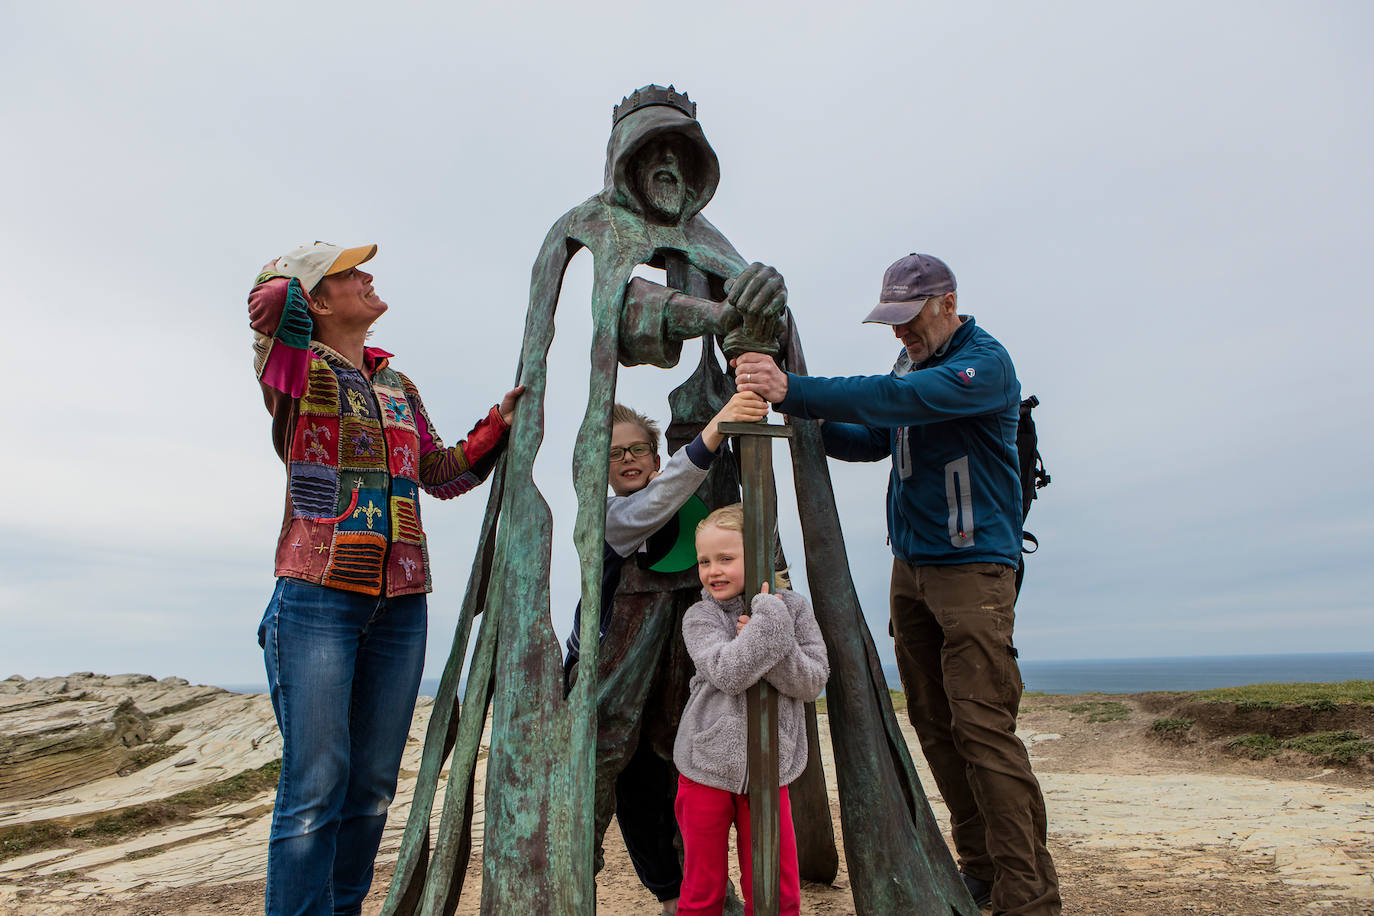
x,y
507,406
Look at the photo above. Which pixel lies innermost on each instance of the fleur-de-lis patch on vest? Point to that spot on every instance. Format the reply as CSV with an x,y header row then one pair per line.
x,y
370,512
313,449
407,462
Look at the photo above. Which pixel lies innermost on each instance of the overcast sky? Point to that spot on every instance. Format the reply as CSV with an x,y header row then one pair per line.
x,y
1159,209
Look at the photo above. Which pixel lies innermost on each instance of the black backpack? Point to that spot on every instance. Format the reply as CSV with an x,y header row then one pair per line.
x,y
1034,477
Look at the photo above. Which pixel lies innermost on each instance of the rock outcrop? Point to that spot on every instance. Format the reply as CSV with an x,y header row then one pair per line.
x,y
88,743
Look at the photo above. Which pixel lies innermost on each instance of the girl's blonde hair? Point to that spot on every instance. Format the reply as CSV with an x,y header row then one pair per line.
x,y
731,518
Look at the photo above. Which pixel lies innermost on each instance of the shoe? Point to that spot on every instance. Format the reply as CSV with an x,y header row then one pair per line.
x,y
978,889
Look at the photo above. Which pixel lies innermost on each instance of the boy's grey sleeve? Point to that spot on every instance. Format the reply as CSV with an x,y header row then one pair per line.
x,y
734,663
803,671
631,519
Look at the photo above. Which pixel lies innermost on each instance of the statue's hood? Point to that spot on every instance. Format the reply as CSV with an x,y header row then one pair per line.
x,y
638,128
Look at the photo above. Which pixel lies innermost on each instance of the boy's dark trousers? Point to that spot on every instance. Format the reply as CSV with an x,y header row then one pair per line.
x,y
644,794
645,674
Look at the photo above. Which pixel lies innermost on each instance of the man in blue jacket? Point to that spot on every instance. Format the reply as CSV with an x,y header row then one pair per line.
x,y
947,415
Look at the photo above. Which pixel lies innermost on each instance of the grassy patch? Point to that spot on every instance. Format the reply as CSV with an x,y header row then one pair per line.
x,y
20,841
1272,696
145,755
239,787
104,829
1339,748
126,822
1256,747
1098,710
1095,710
1171,726
1344,747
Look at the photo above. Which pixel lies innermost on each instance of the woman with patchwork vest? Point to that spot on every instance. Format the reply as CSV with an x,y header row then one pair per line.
x,y
343,636
776,639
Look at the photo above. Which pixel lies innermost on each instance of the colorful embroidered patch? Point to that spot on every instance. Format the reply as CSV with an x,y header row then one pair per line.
x,y
356,394
356,563
363,480
368,512
405,489
405,568
405,520
965,376
361,444
402,452
316,440
314,490
310,558
396,410
322,391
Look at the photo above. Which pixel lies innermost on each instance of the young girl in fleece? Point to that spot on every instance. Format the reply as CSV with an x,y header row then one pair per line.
x,y
775,639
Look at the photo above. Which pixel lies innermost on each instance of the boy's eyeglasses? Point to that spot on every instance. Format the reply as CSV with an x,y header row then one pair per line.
x,y
639,450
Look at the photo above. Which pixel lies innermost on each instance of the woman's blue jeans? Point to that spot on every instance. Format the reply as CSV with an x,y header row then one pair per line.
x,y
343,669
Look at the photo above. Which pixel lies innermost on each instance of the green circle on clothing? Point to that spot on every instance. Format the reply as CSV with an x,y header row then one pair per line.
x,y
683,554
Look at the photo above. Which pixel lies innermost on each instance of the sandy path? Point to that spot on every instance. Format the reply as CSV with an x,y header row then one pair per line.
x,y
1135,829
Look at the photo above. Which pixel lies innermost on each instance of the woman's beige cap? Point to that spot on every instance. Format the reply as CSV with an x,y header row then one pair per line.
x,y
310,263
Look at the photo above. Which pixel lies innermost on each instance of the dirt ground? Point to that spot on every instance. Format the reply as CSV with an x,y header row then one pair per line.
x,y
1138,827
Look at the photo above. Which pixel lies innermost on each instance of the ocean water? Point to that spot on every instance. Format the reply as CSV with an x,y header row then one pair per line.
x,y
1137,675
1140,675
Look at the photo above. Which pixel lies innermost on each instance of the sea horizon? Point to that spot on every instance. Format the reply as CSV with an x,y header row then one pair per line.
x,y
1133,675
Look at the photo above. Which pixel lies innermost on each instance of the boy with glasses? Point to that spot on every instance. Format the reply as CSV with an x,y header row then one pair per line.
x,y
641,522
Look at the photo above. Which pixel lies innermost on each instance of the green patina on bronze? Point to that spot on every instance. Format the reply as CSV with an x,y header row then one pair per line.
x,y
546,810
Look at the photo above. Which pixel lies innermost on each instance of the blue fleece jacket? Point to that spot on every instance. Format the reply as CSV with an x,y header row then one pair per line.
x,y
949,424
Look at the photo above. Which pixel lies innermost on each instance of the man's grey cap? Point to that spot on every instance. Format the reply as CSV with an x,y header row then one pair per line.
x,y
907,284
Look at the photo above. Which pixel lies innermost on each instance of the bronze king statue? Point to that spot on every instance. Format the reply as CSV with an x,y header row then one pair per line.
x,y
553,758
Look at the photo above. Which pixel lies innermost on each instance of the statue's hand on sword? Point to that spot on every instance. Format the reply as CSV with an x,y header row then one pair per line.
x,y
760,296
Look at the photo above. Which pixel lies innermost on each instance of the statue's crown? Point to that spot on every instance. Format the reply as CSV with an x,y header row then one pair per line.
x,y
653,95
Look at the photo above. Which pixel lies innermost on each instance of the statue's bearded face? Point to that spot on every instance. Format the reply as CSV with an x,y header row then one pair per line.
x,y
661,177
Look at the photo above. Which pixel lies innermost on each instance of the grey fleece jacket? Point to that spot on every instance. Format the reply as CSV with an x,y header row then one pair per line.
x,y
781,644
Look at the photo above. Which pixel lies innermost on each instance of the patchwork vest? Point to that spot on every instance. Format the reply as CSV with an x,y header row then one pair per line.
x,y
353,514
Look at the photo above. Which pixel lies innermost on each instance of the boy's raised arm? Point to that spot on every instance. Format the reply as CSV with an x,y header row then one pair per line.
x,y
743,407
630,519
